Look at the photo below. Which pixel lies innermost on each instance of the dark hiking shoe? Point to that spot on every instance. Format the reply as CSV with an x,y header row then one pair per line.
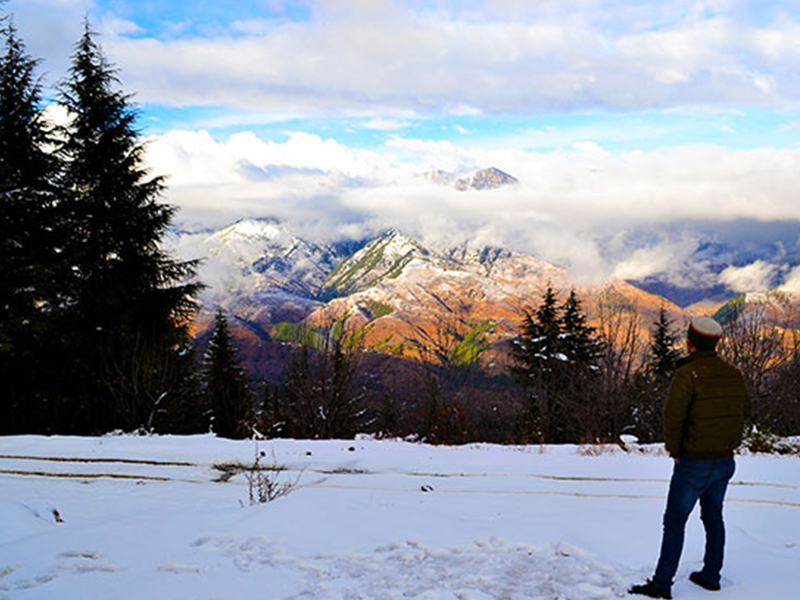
x,y
697,577
650,590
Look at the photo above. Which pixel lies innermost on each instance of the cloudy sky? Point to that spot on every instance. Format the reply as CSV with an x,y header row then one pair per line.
x,y
641,132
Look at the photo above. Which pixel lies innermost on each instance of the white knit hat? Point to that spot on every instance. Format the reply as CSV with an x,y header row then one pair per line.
x,y
704,333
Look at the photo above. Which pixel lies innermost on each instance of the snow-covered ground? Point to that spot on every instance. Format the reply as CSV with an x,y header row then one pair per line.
x,y
152,518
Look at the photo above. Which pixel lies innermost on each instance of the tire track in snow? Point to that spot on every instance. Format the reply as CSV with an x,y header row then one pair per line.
x,y
560,493
356,472
342,472
96,476
127,461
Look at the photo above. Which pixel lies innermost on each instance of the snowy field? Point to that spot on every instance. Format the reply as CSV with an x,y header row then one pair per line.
x,y
155,518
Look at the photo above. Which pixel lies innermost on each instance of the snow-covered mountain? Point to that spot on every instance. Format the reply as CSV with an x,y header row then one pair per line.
x,y
385,257
255,265
262,274
486,179
265,256
438,293
779,307
427,293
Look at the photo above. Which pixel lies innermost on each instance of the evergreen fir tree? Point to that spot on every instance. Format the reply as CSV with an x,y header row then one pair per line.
x,y
663,352
226,383
556,358
585,415
579,342
270,418
129,300
549,341
24,163
29,276
653,383
535,350
537,363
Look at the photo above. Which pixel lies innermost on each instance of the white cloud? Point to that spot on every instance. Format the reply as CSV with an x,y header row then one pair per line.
x,y
662,257
50,29
792,282
759,276
254,27
588,147
573,207
115,26
464,58
790,126
301,180
463,110
57,114
379,124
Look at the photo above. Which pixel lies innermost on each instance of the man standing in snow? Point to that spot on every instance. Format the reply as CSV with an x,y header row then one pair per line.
x,y
704,418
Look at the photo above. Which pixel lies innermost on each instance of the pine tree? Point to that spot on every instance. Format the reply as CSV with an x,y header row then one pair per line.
x,y
537,347
24,163
579,342
653,382
584,414
663,353
549,341
226,383
129,300
537,363
556,359
28,259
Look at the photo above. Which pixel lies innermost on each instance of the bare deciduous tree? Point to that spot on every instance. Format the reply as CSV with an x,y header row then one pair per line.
x,y
320,398
448,366
759,340
622,361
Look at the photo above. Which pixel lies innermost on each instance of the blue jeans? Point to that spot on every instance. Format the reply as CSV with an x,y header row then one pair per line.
x,y
693,480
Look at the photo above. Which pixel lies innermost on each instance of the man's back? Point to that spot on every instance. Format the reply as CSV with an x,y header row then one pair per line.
x,y
706,408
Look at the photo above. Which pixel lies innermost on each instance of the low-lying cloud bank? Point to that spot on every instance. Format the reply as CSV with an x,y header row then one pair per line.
x,y
601,214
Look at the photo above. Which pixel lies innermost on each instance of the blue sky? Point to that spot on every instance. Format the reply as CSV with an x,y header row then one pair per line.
x,y
616,115
616,131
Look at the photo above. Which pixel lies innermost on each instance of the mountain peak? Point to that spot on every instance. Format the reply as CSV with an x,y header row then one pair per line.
x,y
252,228
486,179
264,255
385,257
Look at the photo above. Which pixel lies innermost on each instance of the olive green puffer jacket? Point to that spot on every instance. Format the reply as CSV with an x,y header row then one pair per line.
x,y
706,408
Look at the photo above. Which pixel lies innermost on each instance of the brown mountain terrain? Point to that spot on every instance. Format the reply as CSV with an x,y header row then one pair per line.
x,y
407,298
424,302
